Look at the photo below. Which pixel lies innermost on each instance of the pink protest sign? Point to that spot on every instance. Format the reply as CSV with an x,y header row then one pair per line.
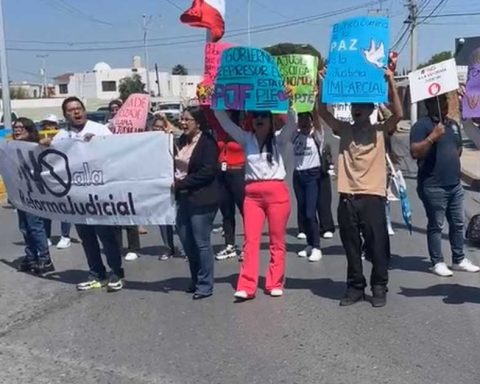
x,y
471,100
132,116
213,55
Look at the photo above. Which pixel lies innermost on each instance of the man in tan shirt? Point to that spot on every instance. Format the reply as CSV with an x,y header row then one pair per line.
x,y
362,184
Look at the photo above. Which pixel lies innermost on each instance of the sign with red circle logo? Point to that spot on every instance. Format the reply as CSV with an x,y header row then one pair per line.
x,y
434,89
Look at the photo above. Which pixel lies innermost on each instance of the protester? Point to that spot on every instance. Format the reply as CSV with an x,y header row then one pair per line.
x,y
160,123
231,179
307,142
81,128
37,255
436,143
133,233
266,196
197,198
362,181
50,127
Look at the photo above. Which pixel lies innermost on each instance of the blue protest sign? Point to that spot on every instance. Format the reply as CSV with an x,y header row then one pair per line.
x,y
249,79
357,58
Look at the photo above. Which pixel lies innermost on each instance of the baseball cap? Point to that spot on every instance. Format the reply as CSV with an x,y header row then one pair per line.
x,y
51,118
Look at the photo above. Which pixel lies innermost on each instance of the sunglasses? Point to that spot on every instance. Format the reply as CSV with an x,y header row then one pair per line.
x,y
261,114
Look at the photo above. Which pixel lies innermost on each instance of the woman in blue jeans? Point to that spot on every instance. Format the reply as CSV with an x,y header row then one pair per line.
x,y
37,256
197,198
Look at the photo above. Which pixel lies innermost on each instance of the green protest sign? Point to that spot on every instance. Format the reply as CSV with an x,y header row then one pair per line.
x,y
300,75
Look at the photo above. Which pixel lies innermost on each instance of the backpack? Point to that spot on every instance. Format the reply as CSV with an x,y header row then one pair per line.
x,y
473,229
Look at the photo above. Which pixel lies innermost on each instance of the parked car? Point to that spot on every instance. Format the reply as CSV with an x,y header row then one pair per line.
x,y
98,116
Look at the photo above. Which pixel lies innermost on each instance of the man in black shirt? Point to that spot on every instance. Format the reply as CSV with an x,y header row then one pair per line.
x,y
436,143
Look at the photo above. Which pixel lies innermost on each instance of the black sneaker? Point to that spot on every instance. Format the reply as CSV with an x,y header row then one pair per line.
x,y
114,284
352,296
26,265
379,296
44,267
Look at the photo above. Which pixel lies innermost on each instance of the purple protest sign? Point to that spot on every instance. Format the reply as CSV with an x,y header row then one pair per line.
x,y
471,100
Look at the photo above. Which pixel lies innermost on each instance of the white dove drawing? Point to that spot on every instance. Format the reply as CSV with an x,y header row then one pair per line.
x,y
375,54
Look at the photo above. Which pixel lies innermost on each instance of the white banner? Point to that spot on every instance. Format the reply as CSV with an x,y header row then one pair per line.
x,y
111,180
434,80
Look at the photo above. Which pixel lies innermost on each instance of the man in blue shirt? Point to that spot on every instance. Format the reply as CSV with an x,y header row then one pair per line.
x,y
436,143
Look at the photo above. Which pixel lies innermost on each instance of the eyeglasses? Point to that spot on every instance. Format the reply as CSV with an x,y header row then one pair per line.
x,y
261,114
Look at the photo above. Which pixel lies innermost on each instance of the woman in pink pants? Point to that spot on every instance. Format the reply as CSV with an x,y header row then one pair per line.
x,y
266,197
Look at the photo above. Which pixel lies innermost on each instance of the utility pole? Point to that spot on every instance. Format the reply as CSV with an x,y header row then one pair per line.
x,y
146,22
7,108
43,72
413,20
158,79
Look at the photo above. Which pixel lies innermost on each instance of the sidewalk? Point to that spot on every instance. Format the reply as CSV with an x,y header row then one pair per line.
x,y
471,167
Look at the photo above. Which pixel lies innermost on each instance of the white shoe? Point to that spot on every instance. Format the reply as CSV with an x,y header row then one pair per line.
x,y
131,256
301,236
49,242
328,235
316,255
64,243
466,266
241,295
277,292
441,269
227,253
305,252
391,232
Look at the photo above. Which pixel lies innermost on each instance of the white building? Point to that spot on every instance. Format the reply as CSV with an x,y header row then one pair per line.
x,y
103,83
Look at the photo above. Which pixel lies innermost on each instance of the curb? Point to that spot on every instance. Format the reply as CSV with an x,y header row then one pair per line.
x,y
470,179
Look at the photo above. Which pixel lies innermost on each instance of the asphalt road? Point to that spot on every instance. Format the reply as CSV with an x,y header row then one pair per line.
x,y
152,332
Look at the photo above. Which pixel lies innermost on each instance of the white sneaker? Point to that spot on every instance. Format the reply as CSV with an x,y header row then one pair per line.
x,y
305,252
131,256
64,243
328,235
241,295
49,242
391,232
276,292
227,253
441,269
466,266
301,236
316,255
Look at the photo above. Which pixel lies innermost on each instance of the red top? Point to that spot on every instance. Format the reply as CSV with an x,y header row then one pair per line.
x,y
230,151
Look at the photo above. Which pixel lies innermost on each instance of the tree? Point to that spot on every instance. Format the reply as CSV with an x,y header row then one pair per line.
x,y
179,69
437,58
18,93
129,85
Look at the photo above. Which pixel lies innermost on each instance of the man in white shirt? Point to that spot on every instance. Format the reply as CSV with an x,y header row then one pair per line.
x,y
81,128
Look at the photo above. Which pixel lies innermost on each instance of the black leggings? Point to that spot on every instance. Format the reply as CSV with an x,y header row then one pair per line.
x,y
232,193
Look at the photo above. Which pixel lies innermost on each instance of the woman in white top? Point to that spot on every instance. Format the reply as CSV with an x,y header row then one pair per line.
x,y
307,142
266,197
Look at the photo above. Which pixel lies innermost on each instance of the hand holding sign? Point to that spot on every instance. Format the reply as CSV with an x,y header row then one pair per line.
x,y
249,79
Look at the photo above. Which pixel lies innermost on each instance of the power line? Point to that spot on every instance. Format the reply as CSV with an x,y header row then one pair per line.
x,y
63,6
260,29
432,13
174,5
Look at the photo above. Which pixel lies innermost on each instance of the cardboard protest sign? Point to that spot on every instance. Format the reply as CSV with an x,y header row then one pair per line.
x,y
249,79
300,75
357,58
434,80
213,55
114,180
132,116
471,100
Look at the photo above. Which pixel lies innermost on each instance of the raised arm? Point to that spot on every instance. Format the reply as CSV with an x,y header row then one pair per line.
x,y
396,104
289,129
237,133
322,110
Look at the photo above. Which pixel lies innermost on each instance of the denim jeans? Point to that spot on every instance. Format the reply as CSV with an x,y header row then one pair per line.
x,y
108,236
33,231
441,203
64,228
194,227
306,187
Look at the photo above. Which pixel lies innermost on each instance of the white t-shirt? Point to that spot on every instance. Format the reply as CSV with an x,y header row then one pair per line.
x,y
305,151
257,166
90,127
